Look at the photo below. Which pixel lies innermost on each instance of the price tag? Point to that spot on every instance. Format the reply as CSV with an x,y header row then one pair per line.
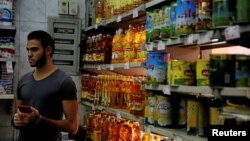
x,y
9,67
188,40
205,37
166,89
232,32
248,94
144,47
99,67
149,47
118,114
161,45
177,138
135,13
96,26
119,18
103,67
93,107
126,65
111,67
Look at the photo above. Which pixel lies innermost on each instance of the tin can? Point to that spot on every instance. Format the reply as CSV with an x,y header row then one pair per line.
x,y
163,111
243,10
222,70
204,15
242,69
149,109
202,72
223,13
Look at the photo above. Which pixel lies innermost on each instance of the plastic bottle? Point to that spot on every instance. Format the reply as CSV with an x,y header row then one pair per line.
x,y
147,135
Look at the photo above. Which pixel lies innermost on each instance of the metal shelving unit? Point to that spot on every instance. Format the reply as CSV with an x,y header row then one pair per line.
x,y
115,66
206,91
204,39
6,96
7,27
118,112
173,133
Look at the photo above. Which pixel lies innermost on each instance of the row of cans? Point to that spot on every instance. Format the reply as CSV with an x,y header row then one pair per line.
x,y
228,70
161,70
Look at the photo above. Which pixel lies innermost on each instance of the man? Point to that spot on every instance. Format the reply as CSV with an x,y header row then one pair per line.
x,y
50,93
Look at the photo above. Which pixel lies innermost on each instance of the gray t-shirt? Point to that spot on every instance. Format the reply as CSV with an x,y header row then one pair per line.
x,y
46,95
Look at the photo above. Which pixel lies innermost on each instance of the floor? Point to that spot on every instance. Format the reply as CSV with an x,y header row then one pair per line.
x,y
7,132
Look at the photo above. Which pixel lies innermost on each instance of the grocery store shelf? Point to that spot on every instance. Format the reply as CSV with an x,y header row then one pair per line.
x,y
8,27
135,68
206,91
172,133
6,96
236,92
133,16
115,66
7,59
117,112
120,18
237,116
153,3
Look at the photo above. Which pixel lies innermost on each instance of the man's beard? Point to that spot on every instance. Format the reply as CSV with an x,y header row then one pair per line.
x,y
40,62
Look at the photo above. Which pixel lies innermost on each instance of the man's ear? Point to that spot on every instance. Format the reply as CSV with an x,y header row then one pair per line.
x,y
48,50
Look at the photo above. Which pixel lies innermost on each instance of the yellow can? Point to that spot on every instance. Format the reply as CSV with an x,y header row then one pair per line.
x,y
202,72
180,72
163,111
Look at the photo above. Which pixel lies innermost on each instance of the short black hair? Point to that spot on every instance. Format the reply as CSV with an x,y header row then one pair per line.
x,y
44,37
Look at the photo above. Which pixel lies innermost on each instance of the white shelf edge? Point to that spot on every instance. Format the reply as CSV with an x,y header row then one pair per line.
x,y
7,59
206,91
236,115
176,132
6,96
153,2
114,66
5,47
7,27
126,14
238,92
123,113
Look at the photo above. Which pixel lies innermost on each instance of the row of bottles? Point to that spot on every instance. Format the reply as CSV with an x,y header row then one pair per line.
x,y
106,9
115,91
122,47
98,49
105,127
127,47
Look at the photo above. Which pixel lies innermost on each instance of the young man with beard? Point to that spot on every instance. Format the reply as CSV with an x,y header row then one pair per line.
x,y
49,93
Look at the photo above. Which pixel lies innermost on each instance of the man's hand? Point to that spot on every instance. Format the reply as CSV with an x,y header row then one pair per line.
x,y
21,119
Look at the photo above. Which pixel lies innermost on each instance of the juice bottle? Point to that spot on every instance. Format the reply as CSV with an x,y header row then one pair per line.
x,y
97,130
129,52
99,49
99,11
93,50
136,131
115,48
147,135
108,50
103,48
